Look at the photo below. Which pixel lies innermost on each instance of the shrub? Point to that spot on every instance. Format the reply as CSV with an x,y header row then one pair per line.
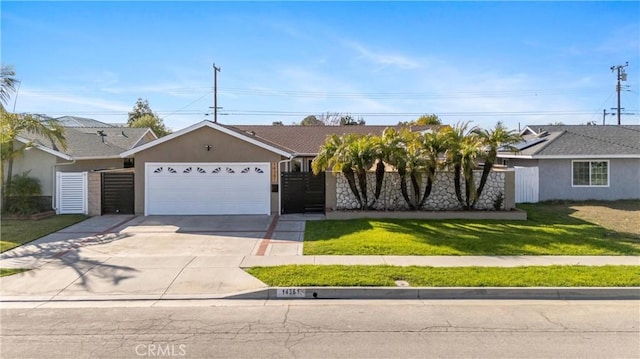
x,y
21,194
497,203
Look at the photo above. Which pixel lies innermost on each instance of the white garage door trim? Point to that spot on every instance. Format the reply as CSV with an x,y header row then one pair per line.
x,y
207,188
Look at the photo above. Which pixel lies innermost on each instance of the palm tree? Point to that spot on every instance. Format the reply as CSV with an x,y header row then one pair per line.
x,y
361,153
395,144
331,155
432,145
462,148
14,125
493,139
8,83
353,155
470,151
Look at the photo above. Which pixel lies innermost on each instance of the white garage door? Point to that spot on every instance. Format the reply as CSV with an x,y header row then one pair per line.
x,y
207,188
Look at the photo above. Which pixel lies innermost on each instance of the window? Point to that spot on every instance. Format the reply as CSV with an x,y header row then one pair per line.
x,y
590,173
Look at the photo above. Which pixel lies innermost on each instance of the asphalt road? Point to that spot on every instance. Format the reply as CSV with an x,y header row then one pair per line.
x,y
324,329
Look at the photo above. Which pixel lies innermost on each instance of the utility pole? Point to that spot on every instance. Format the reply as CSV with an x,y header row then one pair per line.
x,y
604,116
215,92
622,76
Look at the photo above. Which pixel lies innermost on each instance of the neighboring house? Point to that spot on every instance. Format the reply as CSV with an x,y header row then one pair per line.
x,y
577,162
210,168
91,146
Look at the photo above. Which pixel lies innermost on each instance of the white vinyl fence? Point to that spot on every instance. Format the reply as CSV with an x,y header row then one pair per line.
x,y
527,184
71,196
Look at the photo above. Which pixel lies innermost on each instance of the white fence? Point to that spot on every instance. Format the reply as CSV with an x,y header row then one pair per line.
x,y
527,184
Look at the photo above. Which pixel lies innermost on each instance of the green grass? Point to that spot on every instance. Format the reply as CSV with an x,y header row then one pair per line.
x,y
10,271
385,276
550,230
16,232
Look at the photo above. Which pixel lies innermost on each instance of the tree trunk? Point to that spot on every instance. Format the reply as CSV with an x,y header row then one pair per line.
x,y
7,183
456,183
362,181
427,190
467,192
379,179
488,165
403,189
415,186
350,176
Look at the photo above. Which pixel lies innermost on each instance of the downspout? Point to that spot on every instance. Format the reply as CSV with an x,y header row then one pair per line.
x,y
55,181
280,183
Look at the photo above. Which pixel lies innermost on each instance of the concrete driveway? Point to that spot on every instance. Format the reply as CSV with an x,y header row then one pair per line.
x,y
150,257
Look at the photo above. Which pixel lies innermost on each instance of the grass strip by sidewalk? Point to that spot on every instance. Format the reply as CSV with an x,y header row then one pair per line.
x,y
10,271
16,232
385,276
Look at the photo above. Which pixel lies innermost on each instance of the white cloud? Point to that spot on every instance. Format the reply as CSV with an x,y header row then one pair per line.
x,y
383,58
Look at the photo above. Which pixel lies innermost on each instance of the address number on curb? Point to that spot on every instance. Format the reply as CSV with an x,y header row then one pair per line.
x,y
290,293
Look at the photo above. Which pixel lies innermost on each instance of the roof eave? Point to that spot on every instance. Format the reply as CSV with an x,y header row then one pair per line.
x,y
566,157
45,149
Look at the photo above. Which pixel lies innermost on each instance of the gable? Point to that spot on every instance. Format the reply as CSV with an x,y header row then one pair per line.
x,y
194,147
212,126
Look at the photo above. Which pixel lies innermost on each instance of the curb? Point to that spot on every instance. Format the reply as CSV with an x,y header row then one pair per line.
x,y
514,293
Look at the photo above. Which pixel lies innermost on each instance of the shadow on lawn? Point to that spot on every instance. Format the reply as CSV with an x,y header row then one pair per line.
x,y
67,254
550,230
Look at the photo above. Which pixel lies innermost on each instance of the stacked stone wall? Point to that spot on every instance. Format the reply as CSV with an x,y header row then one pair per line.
x,y
442,197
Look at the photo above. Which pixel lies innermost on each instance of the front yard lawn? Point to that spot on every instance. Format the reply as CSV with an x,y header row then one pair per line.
x,y
16,232
10,271
552,229
385,276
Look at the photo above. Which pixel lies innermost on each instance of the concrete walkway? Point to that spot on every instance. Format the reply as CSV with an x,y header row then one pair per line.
x,y
190,257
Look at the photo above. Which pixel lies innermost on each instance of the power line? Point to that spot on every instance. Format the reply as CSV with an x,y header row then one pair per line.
x,y
164,114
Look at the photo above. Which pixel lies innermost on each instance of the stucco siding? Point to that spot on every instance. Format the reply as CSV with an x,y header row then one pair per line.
x,y
39,163
91,165
556,182
190,147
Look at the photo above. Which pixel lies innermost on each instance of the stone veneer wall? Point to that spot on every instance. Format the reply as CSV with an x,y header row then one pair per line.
x,y
442,197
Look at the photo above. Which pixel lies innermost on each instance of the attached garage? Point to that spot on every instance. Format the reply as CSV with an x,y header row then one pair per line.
x,y
207,169
207,188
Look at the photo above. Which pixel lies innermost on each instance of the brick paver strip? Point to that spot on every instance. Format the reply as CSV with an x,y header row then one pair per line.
x,y
267,237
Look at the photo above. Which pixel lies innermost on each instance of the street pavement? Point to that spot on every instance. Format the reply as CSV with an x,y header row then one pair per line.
x,y
178,257
325,329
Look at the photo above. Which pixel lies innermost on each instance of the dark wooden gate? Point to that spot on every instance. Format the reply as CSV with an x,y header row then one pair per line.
x,y
302,192
117,193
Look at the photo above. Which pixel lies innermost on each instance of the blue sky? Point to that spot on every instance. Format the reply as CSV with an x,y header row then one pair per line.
x,y
520,63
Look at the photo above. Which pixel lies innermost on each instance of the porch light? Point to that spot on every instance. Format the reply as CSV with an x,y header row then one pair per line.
x,y
207,147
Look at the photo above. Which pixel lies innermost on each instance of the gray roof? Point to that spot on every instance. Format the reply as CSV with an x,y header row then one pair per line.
x,y
86,142
308,139
73,121
581,140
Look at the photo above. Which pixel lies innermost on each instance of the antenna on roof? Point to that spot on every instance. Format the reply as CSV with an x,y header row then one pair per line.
x,y
102,135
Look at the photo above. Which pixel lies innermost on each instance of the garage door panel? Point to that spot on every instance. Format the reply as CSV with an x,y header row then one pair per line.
x,y
208,188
